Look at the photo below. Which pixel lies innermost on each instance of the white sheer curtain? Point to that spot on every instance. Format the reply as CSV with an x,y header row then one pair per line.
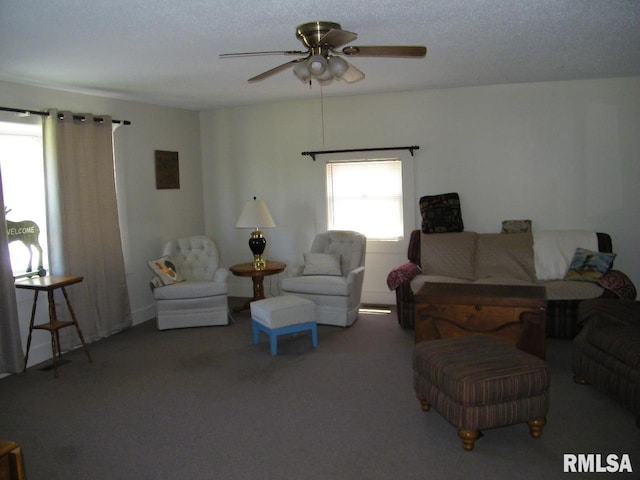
x,y
11,354
84,234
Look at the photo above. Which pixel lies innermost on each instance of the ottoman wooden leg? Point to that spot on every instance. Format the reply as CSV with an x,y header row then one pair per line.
x,y
426,406
535,426
580,381
468,438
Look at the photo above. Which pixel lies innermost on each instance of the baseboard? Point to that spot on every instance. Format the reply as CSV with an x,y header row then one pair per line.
x,y
143,314
373,297
39,353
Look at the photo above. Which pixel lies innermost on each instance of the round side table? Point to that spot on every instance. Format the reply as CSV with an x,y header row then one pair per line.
x,y
257,277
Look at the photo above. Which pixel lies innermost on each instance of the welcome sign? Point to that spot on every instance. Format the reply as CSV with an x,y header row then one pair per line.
x,y
27,232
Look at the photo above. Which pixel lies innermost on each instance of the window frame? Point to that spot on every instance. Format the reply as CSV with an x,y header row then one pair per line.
x,y
29,127
406,176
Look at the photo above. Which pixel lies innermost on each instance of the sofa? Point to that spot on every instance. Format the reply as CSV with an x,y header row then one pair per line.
x,y
606,352
526,258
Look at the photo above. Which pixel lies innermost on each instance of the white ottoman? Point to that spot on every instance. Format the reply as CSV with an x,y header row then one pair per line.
x,y
282,315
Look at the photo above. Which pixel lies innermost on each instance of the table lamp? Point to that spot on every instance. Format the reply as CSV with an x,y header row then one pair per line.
x,y
255,214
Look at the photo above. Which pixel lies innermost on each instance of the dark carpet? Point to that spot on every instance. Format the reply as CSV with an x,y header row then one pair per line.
x,y
206,403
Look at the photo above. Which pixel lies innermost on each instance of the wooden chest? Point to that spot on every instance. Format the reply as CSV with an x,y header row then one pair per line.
x,y
514,313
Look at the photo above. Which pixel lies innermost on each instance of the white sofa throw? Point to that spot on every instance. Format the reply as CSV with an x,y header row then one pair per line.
x,y
554,249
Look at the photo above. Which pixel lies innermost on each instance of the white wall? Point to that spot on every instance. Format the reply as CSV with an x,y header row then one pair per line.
x,y
148,216
563,154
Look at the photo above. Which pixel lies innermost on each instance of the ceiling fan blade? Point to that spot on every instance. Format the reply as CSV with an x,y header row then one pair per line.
x,y
352,74
336,37
256,54
274,70
385,51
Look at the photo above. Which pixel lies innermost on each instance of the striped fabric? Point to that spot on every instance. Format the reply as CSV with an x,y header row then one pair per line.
x,y
621,343
482,417
562,318
479,382
405,305
606,353
608,374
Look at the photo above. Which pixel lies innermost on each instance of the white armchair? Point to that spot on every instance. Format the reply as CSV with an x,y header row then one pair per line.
x,y
331,277
196,295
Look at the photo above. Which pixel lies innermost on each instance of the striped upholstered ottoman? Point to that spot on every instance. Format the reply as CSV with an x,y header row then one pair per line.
x,y
479,382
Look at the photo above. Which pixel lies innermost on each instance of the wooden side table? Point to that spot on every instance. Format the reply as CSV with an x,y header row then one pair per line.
x,y
49,284
514,313
11,461
257,276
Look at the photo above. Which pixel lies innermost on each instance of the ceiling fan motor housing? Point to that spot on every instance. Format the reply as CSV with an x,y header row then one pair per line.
x,y
311,33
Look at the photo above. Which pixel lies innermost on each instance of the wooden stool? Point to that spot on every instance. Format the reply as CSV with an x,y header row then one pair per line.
x,y
11,461
283,315
479,382
49,284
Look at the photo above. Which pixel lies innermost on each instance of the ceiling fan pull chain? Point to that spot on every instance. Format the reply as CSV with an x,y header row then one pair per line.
x,y
322,110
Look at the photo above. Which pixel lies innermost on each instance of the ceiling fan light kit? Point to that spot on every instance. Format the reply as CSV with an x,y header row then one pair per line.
x,y
321,68
338,66
317,65
322,60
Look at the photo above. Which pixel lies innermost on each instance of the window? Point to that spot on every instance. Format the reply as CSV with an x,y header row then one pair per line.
x,y
366,196
22,167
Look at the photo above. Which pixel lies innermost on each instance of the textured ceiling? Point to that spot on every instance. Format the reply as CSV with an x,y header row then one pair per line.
x,y
166,51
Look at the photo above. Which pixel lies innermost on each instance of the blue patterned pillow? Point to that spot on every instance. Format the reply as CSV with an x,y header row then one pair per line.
x,y
588,265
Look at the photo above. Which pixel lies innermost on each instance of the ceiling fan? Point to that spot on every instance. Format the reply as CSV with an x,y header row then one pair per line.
x,y
322,60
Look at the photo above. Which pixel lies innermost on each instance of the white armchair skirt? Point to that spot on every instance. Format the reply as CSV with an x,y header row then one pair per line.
x,y
191,303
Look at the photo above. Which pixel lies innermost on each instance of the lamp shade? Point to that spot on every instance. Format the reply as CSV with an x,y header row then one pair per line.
x,y
255,214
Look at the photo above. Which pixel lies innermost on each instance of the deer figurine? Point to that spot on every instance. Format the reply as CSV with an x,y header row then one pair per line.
x,y
26,232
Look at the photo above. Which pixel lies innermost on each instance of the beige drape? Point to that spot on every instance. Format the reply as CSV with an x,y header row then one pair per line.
x,y
11,354
84,234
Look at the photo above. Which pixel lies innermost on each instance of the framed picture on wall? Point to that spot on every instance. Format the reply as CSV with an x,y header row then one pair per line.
x,y
167,170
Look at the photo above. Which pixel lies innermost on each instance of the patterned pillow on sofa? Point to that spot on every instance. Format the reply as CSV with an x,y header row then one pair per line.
x,y
516,226
441,213
588,265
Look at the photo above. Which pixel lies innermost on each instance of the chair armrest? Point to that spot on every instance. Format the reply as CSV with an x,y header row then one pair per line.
x,y
355,275
221,275
402,274
413,251
155,283
603,312
619,283
355,279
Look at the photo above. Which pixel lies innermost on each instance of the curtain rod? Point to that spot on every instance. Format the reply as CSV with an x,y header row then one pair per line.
x,y
323,152
60,115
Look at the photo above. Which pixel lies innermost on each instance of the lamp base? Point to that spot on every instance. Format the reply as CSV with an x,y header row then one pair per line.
x,y
259,263
257,244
